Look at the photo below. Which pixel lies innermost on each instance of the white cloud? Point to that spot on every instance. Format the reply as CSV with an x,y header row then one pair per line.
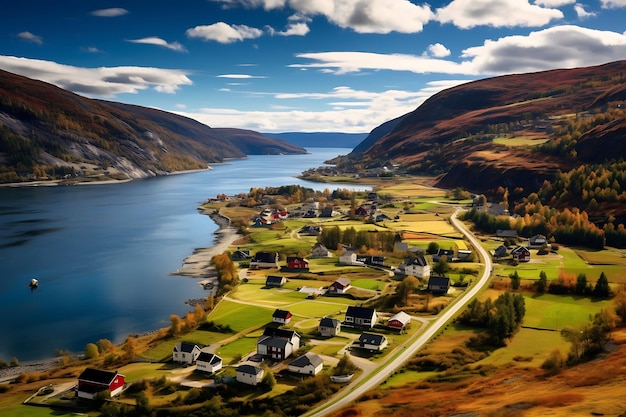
x,y
467,14
556,47
153,40
30,37
554,3
112,12
240,76
92,50
295,29
224,33
361,111
613,4
438,50
97,82
581,12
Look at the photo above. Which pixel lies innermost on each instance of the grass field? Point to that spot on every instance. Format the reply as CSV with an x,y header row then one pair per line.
x,y
520,141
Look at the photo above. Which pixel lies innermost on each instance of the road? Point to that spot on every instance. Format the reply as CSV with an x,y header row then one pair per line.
x,y
415,343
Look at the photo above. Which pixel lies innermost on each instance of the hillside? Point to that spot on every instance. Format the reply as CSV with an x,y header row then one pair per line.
x,y
50,133
470,135
320,139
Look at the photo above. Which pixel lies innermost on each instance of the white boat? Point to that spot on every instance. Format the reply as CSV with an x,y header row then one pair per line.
x,y
34,283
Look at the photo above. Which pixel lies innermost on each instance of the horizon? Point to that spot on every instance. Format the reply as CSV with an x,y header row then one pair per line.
x,y
287,66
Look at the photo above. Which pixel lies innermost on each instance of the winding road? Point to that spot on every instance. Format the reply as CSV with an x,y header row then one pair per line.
x,y
405,351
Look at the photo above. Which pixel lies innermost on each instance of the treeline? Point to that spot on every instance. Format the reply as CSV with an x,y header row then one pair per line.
x,y
362,240
292,194
502,318
571,227
570,284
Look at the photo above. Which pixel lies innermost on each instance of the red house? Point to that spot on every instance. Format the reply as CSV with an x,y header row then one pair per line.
x,y
92,381
521,254
296,264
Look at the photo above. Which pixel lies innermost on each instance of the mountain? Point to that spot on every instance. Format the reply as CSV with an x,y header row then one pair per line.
x,y
320,139
50,133
514,131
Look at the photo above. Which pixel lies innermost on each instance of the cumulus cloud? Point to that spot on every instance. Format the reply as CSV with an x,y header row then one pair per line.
x,y
438,50
581,12
612,4
97,82
224,33
111,12
467,14
557,47
30,37
295,29
152,40
361,111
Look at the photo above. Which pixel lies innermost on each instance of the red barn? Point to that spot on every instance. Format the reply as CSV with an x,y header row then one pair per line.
x,y
92,381
295,263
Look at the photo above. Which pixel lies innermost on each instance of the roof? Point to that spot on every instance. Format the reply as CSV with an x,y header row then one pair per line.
x,y
186,347
344,282
307,359
97,375
360,312
438,281
402,317
275,332
274,279
371,338
329,322
265,256
520,249
209,357
281,314
249,369
417,260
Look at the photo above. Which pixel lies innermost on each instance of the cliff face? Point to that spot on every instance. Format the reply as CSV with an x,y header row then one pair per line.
x,y
453,133
47,132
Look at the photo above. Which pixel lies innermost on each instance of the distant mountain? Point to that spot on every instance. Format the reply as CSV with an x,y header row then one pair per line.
x,y
320,139
50,133
485,134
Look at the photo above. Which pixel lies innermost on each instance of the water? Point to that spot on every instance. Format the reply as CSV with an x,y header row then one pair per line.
x,y
103,254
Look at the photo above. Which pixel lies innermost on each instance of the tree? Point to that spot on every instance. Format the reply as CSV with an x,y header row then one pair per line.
x,y
441,267
581,284
104,345
405,289
176,325
515,280
91,351
142,407
433,247
268,381
602,288
130,347
14,362
542,283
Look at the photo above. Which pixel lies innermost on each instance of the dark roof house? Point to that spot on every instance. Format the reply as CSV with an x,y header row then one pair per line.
x,y
92,381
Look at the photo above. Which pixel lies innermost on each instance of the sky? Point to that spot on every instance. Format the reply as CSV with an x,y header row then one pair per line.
x,y
298,65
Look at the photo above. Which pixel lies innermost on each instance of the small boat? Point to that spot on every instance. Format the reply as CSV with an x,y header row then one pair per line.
x,y
341,378
34,283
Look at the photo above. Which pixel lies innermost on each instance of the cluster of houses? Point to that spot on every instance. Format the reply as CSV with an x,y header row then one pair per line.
x,y
520,253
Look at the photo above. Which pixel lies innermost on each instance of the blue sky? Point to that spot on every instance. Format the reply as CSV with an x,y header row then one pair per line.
x,y
298,65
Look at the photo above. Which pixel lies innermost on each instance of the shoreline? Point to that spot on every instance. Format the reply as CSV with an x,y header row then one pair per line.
x,y
196,265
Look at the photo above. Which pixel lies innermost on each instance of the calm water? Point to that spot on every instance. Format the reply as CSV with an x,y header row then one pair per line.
x,y
103,253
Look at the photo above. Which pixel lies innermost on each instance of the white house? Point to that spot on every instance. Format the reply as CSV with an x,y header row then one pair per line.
x,y
329,327
319,251
349,257
249,374
416,266
360,317
372,341
307,364
185,352
208,362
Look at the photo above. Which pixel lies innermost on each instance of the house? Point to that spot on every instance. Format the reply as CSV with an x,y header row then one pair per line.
x,y
208,362
463,254
438,285
319,251
296,264
538,242
307,364
416,266
275,281
327,212
371,260
361,211
349,257
521,254
381,218
249,374
264,260
311,230
92,381
441,253
500,251
372,196
281,316
372,341
360,317
240,255
506,233
329,327
185,352
399,321
261,222
278,343
340,286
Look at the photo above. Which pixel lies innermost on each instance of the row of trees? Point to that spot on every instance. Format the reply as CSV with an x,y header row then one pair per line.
x,y
501,318
332,237
570,284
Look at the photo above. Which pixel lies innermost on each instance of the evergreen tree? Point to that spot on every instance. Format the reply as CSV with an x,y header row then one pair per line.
x,y
602,288
581,284
542,283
